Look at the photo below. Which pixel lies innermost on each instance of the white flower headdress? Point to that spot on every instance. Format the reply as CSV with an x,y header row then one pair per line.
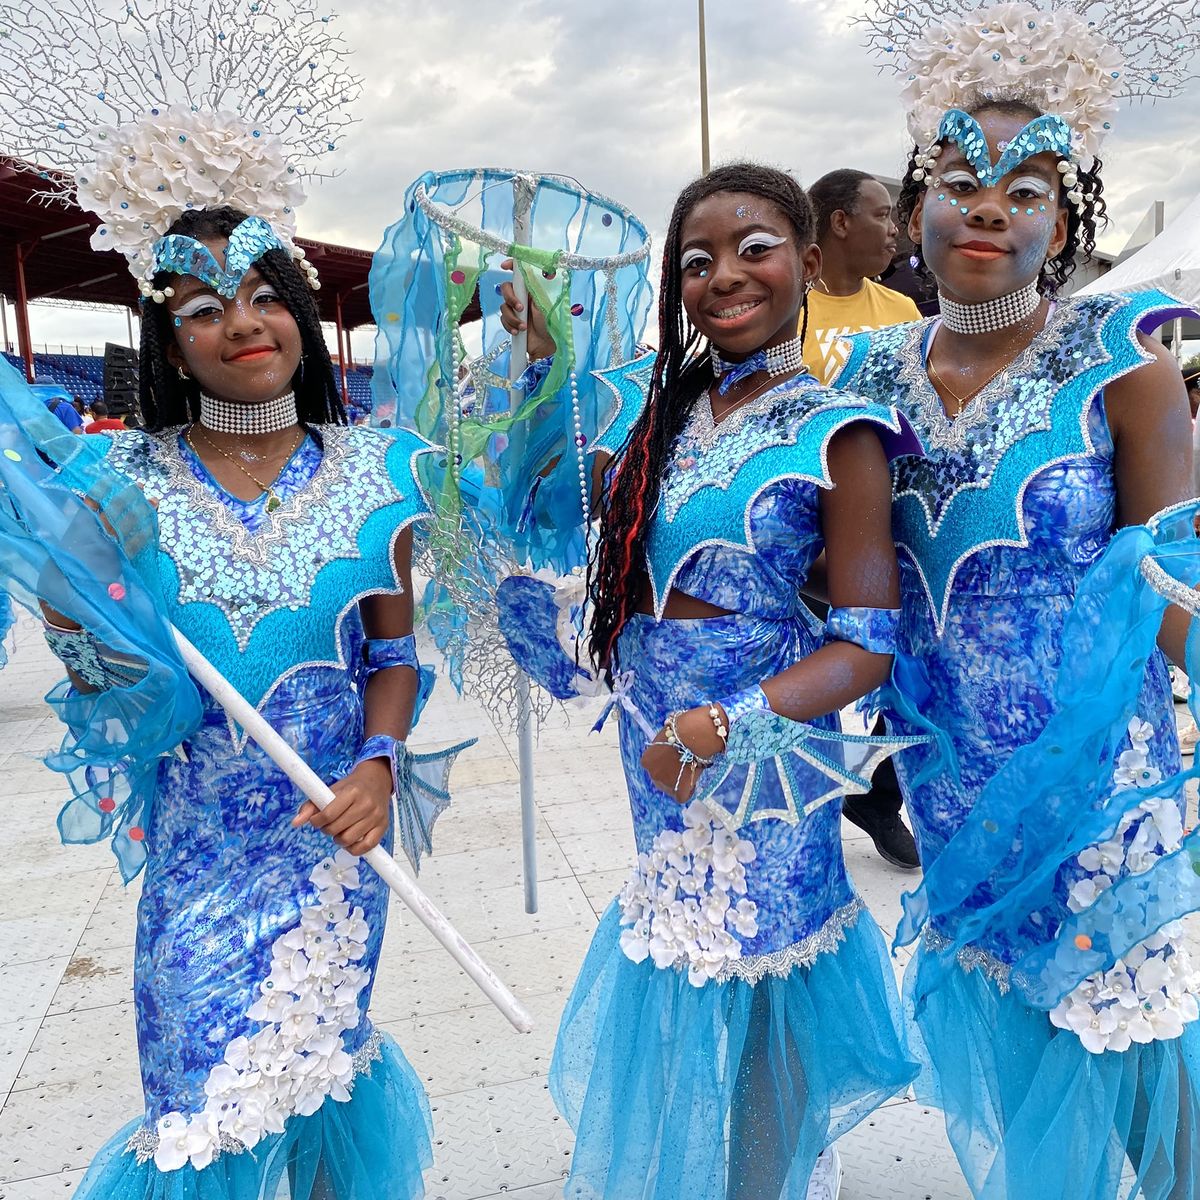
x,y
1074,59
160,108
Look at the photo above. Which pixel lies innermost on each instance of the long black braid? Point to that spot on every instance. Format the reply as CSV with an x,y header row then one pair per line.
x,y
1082,222
168,400
682,372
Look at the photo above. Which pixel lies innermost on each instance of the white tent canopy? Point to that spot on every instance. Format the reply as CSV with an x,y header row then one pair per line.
x,y
1171,262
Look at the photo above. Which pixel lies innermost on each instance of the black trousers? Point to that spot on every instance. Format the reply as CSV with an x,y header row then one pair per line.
x,y
884,798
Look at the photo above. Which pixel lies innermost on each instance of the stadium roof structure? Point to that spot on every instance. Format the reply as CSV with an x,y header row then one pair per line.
x,y
45,253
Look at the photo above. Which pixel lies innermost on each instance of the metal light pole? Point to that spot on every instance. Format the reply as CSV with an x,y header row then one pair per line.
x,y
705,161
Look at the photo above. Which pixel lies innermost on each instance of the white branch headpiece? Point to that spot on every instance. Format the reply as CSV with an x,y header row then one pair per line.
x,y
1074,59
155,107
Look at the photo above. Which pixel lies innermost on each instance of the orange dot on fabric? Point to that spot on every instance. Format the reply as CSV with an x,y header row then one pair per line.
x,y
107,804
116,591
1082,941
136,833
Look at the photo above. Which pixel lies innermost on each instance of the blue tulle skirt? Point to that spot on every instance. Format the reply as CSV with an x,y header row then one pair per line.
x,y
373,1146
1033,1115
727,1091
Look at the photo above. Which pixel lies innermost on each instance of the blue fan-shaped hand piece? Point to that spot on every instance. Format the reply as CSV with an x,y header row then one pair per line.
x,y
802,756
537,617
422,794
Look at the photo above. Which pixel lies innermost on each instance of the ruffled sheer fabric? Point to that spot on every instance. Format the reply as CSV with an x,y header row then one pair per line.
x,y
1032,1115
373,1146
727,1091
55,550
1055,796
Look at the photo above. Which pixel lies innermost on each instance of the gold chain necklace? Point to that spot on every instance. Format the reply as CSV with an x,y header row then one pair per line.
x,y
963,401
267,489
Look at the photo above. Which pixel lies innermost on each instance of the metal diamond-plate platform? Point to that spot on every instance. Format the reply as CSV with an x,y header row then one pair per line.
x,y
68,1056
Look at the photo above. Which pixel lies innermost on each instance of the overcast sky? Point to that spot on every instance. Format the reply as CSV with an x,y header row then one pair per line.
x,y
607,91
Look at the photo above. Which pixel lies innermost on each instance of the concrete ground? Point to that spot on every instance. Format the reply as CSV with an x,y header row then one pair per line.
x,y
68,1056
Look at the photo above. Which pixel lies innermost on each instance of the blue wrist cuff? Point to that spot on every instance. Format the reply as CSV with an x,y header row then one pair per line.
x,y
874,629
382,745
741,704
381,653
97,666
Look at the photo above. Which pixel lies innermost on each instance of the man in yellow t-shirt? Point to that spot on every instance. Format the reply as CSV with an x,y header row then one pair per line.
x,y
857,233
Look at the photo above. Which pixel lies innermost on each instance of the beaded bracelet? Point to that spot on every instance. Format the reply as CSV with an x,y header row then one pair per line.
x,y
687,756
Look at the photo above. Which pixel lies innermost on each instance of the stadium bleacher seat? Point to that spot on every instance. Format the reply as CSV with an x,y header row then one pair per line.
x,y
81,374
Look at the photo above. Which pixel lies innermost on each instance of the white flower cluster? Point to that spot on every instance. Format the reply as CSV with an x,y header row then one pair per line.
x,y
1054,59
297,1059
1150,993
146,174
678,904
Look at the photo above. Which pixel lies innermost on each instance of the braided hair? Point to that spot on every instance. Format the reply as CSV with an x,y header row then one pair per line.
x,y
682,373
1082,221
167,400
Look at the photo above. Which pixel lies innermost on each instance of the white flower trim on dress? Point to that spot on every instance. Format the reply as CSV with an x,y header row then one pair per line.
x,y
298,1058
1151,992
148,173
678,905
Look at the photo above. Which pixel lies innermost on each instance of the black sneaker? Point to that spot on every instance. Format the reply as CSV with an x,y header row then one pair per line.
x,y
893,840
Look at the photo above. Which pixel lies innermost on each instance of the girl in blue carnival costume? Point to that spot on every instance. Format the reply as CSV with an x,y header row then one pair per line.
x,y
735,1012
283,550
1048,425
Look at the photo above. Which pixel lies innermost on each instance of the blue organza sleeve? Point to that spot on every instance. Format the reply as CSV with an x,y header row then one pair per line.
x,y
56,551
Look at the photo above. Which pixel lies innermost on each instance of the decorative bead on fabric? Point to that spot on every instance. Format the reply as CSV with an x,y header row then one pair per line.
x,y
874,629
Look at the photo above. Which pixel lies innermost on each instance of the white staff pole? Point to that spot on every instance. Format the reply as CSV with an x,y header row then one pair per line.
x,y
384,865
518,360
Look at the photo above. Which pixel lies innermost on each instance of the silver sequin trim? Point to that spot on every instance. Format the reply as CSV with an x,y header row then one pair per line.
x,y
143,1145
972,958
803,953
1168,586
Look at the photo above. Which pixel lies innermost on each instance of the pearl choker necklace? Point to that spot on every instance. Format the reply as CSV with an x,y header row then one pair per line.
x,y
991,315
223,417
783,359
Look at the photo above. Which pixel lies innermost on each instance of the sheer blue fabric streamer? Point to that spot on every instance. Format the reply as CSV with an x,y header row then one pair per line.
x,y
55,550
1055,797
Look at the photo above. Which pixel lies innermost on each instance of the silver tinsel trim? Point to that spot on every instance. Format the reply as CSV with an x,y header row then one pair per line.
x,y
803,953
370,1051
1168,586
143,1145
972,958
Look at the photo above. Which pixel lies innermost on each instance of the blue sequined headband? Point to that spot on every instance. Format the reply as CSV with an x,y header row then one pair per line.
x,y
250,240
183,255
1045,134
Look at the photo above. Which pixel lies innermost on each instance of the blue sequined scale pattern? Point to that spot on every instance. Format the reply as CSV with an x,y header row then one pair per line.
x,y
345,496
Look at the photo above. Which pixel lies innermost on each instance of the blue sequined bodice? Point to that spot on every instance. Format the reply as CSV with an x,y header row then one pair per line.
x,y
969,493
264,592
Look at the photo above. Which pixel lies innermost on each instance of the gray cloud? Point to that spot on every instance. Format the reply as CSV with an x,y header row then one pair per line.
x,y
607,92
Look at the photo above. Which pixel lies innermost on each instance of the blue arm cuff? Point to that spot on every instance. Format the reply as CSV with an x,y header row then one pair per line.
x,y
874,629
381,653
741,704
